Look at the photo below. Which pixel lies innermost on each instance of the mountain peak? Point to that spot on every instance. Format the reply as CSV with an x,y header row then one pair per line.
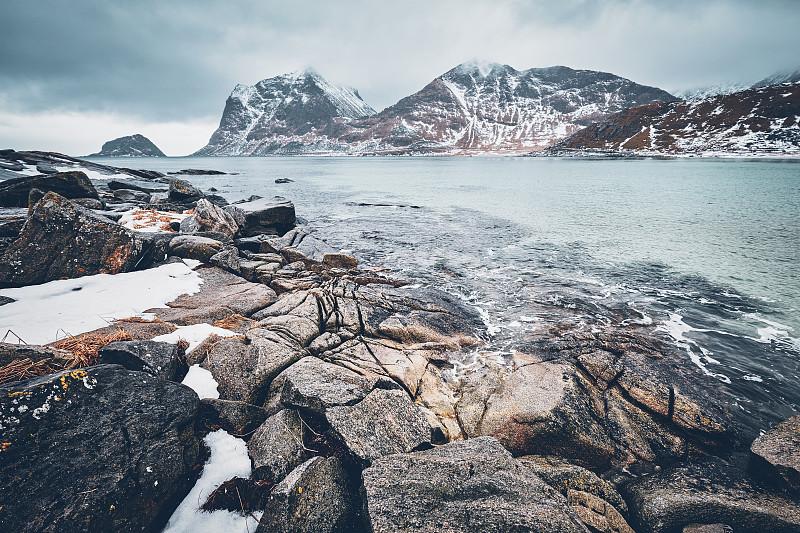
x,y
787,76
478,68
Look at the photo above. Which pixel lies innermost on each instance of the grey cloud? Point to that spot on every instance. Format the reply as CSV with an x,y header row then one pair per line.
x,y
180,59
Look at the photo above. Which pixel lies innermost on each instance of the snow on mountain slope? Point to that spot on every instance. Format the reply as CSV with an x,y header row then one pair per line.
x,y
495,108
474,107
714,90
756,121
297,112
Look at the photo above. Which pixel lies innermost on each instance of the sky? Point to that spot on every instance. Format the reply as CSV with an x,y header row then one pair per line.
x,y
76,74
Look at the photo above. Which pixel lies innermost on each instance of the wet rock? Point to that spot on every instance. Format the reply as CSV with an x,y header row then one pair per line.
x,y
316,496
266,215
314,385
299,245
161,359
128,195
208,217
276,448
14,192
100,449
651,402
383,423
61,240
708,528
565,476
339,261
707,491
472,485
116,185
195,247
237,418
183,191
417,315
776,454
199,172
597,513
641,434
544,408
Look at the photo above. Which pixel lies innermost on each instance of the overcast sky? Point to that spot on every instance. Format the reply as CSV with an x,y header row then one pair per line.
x,y
74,74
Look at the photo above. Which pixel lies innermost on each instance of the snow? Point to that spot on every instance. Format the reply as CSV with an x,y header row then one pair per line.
x,y
202,382
94,174
194,335
228,459
44,313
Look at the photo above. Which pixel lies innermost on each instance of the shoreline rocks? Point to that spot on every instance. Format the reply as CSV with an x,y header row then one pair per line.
x,y
125,445
341,381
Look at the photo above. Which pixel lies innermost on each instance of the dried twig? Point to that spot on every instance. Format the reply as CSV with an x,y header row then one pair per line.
x,y
19,339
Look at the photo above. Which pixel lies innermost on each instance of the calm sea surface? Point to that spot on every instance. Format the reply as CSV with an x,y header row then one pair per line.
x,y
708,250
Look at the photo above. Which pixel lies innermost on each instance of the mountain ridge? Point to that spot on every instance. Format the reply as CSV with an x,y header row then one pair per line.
x,y
758,120
474,107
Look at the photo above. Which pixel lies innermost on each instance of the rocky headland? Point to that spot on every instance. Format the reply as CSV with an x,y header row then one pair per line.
x,y
136,145
348,387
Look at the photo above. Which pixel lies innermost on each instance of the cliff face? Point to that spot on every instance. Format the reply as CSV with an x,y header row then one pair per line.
x,y
762,120
293,113
131,146
471,108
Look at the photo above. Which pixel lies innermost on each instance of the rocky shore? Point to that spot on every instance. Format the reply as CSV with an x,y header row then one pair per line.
x,y
345,386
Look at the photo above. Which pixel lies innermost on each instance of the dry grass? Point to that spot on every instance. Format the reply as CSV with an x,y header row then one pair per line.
x,y
239,495
143,218
85,347
22,369
235,323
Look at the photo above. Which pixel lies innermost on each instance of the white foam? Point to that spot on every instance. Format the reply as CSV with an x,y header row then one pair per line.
x,y
676,328
228,459
44,313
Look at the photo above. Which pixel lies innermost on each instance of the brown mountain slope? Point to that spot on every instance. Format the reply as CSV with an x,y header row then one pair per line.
x,y
753,121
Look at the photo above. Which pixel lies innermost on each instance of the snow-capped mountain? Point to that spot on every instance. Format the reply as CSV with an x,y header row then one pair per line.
x,y
471,108
495,108
764,120
779,78
136,145
293,113
713,90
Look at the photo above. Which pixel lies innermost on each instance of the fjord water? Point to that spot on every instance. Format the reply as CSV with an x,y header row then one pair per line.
x,y
705,250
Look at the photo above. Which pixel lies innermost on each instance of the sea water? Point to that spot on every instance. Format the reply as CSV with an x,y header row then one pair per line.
x,y
704,250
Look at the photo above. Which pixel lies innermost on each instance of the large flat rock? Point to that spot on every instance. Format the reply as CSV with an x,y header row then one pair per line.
x,y
472,485
707,491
